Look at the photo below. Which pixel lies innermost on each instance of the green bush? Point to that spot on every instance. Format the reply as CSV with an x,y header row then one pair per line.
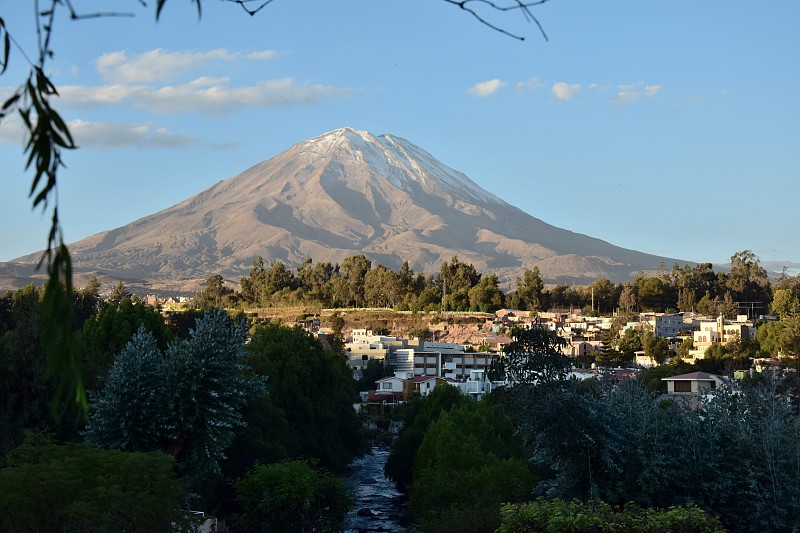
x,y
75,487
597,516
292,496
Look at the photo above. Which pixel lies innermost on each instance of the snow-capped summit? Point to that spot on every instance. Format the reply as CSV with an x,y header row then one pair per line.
x,y
401,162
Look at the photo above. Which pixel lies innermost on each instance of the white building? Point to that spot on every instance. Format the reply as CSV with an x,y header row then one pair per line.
x,y
721,332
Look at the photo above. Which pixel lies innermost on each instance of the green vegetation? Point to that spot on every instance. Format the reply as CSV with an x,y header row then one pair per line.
x,y
46,486
292,496
589,517
468,463
196,399
312,390
457,286
186,386
535,355
417,417
737,458
186,401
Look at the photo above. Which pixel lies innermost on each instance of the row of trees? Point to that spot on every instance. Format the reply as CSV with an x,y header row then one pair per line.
x,y
198,397
737,458
356,282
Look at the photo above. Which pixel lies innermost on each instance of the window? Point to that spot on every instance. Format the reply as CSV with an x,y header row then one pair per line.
x,y
683,386
386,385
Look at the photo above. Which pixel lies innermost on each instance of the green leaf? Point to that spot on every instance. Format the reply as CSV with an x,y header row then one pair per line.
x,y
159,7
6,46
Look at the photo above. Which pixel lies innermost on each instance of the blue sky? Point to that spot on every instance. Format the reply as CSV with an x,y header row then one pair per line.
x,y
666,127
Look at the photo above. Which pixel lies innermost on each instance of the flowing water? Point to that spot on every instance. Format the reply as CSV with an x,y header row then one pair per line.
x,y
379,506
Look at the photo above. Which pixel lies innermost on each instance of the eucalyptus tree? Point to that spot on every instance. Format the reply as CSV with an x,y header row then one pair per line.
x,y
186,400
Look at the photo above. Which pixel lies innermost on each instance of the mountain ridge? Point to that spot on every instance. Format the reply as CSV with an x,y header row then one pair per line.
x,y
343,193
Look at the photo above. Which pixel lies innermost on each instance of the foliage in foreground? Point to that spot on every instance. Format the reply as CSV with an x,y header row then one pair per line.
x,y
186,401
419,414
738,457
292,496
310,399
75,487
597,516
469,463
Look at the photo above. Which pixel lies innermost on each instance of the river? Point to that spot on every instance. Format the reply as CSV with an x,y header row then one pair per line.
x,y
379,506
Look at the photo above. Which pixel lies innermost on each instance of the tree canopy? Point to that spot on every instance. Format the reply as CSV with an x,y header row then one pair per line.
x,y
186,401
45,486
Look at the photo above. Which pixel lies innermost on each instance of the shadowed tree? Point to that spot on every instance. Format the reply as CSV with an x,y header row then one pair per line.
x,y
186,401
313,389
292,496
534,356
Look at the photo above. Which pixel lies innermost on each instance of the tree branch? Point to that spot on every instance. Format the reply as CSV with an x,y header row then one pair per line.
x,y
517,5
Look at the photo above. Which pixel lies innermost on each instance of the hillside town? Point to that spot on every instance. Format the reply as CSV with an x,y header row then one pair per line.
x,y
419,365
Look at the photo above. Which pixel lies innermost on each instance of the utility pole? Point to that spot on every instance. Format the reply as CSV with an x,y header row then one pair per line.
x,y
444,295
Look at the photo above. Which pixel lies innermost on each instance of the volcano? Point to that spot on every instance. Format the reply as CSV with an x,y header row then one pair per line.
x,y
344,193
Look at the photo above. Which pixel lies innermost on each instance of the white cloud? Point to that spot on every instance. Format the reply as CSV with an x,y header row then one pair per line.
x,y
486,88
117,135
12,132
633,92
565,91
159,65
528,85
651,90
203,95
105,135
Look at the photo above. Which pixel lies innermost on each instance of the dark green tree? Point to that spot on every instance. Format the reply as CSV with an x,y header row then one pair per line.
x,y
606,295
627,298
215,294
653,294
630,342
486,296
106,333
382,287
375,370
316,281
785,303
565,297
418,415
314,390
748,280
46,486
128,416
290,497
118,294
456,279
657,348
87,302
534,356
469,462
187,402
253,284
24,390
354,271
